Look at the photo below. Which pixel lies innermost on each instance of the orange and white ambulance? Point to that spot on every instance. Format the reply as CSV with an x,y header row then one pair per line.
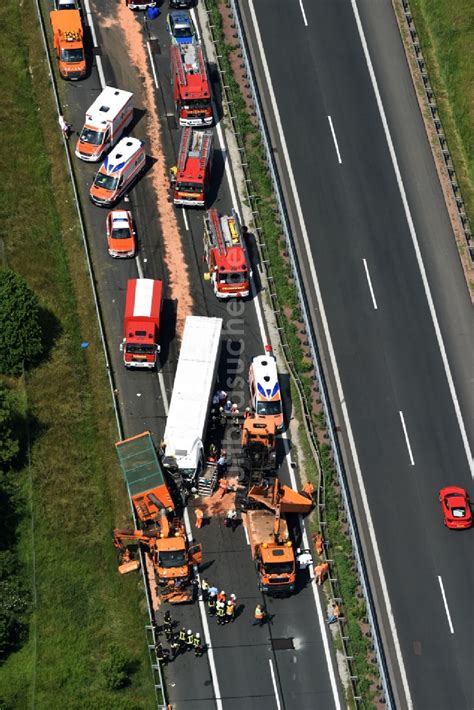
x,y
265,393
118,172
105,121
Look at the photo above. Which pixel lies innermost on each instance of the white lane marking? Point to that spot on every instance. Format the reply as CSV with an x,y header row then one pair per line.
x,y
246,534
205,624
303,13
402,419
185,217
98,60
411,226
275,687
369,281
337,377
161,381
139,267
335,140
153,69
451,627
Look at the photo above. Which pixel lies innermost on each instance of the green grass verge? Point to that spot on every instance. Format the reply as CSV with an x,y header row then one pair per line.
x,y
446,30
286,292
86,617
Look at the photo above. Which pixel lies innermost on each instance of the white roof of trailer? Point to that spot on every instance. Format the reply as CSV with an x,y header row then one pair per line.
x,y
143,297
192,389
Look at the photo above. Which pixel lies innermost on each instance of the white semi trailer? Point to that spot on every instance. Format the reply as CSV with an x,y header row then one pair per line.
x,y
194,384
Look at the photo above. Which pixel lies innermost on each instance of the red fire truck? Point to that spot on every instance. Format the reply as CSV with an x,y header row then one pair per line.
x,y
193,171
142,323
225,255
191,89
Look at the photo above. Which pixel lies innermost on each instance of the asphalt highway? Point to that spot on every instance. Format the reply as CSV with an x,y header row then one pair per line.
x,y
407,441
251,671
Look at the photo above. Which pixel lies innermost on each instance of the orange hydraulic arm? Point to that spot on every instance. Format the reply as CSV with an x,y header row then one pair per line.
x,y
283,498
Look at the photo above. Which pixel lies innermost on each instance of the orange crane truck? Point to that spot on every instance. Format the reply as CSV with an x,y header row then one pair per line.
x,y
267,529
68,40
162,537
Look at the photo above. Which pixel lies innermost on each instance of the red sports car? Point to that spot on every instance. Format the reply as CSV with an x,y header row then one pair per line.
x,y
456,507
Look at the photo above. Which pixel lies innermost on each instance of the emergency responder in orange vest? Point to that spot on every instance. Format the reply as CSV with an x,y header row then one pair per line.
x,y
199,517
229,611
320,572
259,616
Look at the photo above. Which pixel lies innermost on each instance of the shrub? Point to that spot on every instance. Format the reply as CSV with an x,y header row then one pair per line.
x,y
9,445
116,669
20,331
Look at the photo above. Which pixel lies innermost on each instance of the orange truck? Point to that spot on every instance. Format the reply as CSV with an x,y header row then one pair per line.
x,y
267,529
68,41
162,535
191,89
225,255
193,174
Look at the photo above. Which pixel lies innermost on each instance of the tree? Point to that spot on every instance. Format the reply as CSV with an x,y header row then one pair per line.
x,y
21,338
9,445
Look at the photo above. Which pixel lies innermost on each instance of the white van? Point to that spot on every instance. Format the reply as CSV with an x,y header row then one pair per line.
x,y
118,171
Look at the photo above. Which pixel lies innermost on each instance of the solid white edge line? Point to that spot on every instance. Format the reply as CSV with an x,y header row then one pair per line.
x,y
205,623
369,281
414,238
98,60
335,140
317,599
275,687
194,16
303,13
246,534
340,393
153,69
451,627
404,427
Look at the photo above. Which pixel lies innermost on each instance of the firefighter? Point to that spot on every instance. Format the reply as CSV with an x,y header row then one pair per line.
x,y
197,645
229,611
162,654
168,625
204,589
220,612
173,173
211,600
189,640
182,639
259,616
175,647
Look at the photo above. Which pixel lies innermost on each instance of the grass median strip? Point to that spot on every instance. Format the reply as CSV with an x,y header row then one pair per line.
x,y
446,30
86,647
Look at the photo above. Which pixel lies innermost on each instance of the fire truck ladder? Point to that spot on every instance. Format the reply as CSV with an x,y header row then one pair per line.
x,y
200,61
216,228
206,141
184,148
178,62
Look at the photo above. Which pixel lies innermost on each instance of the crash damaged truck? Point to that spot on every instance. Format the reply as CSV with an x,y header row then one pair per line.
x,y
271,546
160,538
